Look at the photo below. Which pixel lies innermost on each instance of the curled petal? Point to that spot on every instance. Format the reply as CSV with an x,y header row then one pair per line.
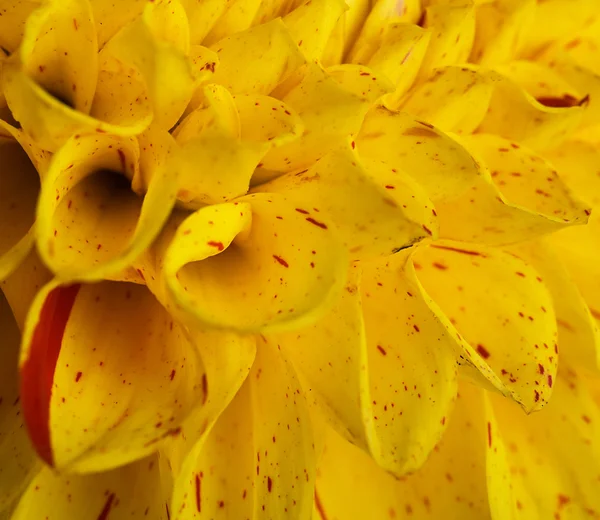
x,y
434,160
390,210
301,23
454,99
59,53
227,140
202,16
501,30
106,374
257,60
514,114
521,199
553,454
156,45
90,224
500,312
332,105
134,491
453,30
258,459
19,461
256,264
19,189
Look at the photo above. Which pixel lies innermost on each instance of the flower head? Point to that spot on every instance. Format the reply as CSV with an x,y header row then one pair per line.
x,y
255,254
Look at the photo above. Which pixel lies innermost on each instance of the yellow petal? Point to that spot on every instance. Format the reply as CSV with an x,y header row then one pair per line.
x,y
106,374
330,357
451,484
202,16
257,60
390,210
553,454
454,99
23,284
501,309
523,197
90,224
453,30
157,45
578,165
501,29
312,23
578,249
238,16
404,142
19,463
234,266
110,20
133,491
59,52
19,189
12,22
332,105
258,460
227,358
578,332
227,140
543,83
399,57
411,369
381,15
556,19
514,114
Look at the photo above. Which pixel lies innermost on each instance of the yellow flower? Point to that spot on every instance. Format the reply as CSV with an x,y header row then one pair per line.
x,y
299,259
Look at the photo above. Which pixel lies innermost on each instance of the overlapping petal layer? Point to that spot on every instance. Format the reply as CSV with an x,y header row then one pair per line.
x,y
237,235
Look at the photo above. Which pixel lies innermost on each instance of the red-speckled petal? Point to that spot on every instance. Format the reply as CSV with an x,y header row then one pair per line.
x,y
520,196
106,374
553,455
258,459
139,490
261,263
501,313
19,463
390,210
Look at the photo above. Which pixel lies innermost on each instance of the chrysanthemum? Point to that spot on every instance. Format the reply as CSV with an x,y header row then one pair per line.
x,y
325,259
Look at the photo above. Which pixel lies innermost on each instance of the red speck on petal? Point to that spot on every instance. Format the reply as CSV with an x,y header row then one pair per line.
x,y
37,373
122,160
303,211
382,350
482,351
198,489
439,266
204,388
549,380
537,395
172,376
319,506
541,368
75,24
281,261
218,245
427,230
269,484
489,434
78,376
106,509
316,223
